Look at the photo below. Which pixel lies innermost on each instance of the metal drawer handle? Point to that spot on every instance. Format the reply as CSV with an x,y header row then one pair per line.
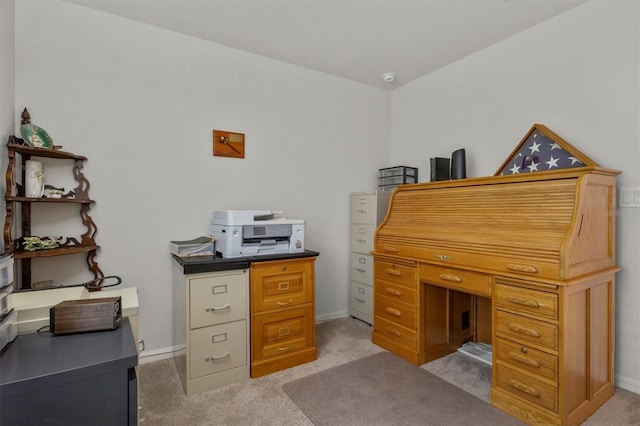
x,y
522,268
284,349
359,299
393,331
360,270
280,303
524,301
523,330
361,240
219,357
449,277
524,388
393,312
442,257
362,210
393,292
217,308
390,249
524,360
394,272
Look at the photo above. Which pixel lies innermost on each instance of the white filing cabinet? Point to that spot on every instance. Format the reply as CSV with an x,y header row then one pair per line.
x,y
212,321
368,209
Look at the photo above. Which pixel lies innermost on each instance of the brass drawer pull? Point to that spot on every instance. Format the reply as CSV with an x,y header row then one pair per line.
x,y
284,303
523,330
522,301
284,349
390,249
217,308
219,357
522,268
393,332
393,312
524,360
524,388
449,277
442,257
394,272
393,291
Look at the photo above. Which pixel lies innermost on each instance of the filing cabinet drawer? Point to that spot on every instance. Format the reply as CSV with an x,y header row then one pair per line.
x,y
397,293
403,315
522,329
526,387
539,363
362,268
527,300
218,348
281,333
396,272
396,333
364,208
217,299
467,281
281,284
362,238
361,298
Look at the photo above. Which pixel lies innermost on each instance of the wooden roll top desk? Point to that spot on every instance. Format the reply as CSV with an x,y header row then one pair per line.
x,y
524,262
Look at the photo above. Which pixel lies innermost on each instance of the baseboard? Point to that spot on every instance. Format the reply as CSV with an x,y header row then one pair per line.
x,y
158,354
628,384
332,315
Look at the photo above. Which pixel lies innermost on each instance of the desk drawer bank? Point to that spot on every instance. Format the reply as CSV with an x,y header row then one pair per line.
x,y
242,317
523,262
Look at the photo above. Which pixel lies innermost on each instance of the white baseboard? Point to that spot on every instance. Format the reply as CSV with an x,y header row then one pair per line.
x,y
332,315
158,354
628,384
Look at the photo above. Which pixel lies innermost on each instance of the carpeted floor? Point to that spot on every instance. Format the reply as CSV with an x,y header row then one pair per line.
x,y
262,401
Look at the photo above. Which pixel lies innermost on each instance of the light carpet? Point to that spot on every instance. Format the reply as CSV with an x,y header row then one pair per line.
x,y
383,389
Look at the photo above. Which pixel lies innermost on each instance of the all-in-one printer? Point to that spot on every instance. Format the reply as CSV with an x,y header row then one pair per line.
x,y
241,233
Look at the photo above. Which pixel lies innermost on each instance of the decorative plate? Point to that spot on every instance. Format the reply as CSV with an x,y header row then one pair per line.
x,y
36,136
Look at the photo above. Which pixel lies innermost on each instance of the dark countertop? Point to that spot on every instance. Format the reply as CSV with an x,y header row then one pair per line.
x,y
199,264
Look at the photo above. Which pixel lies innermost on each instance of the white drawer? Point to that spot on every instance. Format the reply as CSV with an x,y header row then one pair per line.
x,y
218,348
362,238
361,268
361,299
214,300
364,208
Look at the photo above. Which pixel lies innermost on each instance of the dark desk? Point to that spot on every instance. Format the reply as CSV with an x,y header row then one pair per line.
x,y
77,379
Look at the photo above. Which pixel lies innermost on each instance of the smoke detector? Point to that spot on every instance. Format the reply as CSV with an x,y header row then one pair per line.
x,y
389,77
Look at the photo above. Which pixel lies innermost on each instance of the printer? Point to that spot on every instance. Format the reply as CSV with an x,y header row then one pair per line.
x,y
240,233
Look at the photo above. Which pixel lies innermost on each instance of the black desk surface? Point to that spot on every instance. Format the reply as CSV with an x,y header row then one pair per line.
x,y
198,264
41,360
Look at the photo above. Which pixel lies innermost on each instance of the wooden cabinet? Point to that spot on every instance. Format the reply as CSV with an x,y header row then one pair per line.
x,y
282,314
367,211
212,321
18,204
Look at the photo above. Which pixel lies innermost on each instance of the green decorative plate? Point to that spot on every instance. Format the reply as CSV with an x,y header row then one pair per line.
x,y
36,136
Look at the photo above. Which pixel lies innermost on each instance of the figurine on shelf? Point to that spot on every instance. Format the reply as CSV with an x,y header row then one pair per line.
x,y
51,191
37,243
34,136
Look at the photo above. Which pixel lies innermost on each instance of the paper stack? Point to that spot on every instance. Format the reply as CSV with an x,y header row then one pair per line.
x,y
200,246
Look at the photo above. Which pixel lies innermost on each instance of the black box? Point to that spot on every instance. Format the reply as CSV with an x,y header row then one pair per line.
x,y
78,316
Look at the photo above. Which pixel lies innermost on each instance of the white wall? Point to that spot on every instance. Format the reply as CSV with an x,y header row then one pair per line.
x,y
579,75
141,103
7,93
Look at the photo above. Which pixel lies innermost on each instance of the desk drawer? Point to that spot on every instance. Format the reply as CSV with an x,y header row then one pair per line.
x,y
522,329
538,363
396,272
281,284
362,237
283,332
397,293
361,268
393,331
526,387
214,300
527,300
218,348
471,282
386,309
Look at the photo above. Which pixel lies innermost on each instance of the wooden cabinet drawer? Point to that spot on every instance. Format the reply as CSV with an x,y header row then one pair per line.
x,y
527,300
362,237
471,282
281,284
218,299
218,348
400,314
539,363
364,208
401,335
281,333
526,387
361,298
522,329
361,268
395,272
397,293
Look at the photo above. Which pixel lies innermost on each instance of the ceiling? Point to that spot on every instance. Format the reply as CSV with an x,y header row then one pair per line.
x,y
359,40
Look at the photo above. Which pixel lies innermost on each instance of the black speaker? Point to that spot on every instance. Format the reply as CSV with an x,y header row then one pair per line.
x,y
458,164
440,169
